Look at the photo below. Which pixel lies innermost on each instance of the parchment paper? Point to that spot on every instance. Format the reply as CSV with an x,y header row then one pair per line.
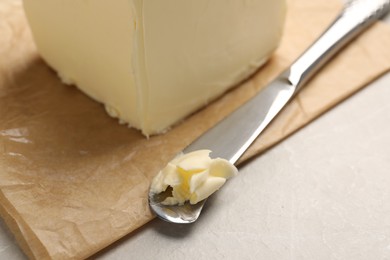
x,y
72,180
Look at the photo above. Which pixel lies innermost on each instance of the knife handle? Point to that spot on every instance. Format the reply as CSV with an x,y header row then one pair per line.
x,y
357,16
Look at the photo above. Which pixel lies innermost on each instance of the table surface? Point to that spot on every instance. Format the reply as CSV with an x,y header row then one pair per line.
x,y
323,193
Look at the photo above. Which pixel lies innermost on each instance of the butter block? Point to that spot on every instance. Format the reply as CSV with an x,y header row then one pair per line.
x,y
152,63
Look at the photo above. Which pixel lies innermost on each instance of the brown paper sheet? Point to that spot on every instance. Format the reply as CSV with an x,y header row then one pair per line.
x,y
73,181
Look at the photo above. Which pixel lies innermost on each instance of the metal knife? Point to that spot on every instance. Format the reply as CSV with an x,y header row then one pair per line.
x,y
230,138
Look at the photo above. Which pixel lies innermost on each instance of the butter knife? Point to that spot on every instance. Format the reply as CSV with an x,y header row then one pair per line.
x,y
231,137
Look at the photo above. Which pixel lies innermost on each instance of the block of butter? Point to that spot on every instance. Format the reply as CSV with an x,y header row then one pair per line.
x,y
152,63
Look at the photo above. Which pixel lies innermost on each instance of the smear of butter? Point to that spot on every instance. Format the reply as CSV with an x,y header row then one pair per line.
x,y
193,177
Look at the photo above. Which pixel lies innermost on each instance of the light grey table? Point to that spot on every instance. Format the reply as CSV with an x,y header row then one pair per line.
x,y
324,193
